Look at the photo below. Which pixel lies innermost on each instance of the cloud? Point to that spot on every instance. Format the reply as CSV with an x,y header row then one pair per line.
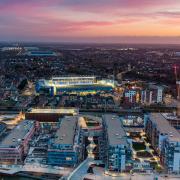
x,y
61,19
172,14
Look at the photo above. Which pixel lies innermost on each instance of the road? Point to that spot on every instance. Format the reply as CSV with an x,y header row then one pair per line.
x,y
81,170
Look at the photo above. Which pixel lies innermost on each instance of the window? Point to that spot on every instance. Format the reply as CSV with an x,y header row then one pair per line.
x,y
68,158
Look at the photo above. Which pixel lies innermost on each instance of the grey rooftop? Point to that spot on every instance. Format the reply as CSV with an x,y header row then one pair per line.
x,y
16,136
115,131
65,134
164,127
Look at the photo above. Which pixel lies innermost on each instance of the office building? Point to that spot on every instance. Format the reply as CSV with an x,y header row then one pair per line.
x,y
14,147
166,141
116,148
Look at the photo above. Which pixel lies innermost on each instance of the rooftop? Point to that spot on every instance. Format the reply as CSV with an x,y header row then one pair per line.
x,y
115,130
14,138
54,111
154,86
41,53
171,116
164,126
65,134
2,127
73,77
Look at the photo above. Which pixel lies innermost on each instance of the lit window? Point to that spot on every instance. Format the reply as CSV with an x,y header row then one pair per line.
x,y
68,158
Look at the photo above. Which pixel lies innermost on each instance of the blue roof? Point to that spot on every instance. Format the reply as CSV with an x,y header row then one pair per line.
x,y
42,53
84,88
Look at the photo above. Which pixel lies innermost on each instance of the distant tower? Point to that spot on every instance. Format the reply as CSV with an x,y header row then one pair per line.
x,y
178,90
129,67
178,108
177,82
175,72
115,70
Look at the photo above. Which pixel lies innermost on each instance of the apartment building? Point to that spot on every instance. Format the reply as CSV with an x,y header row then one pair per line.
x,y
65,149
14,147
116,148
165,139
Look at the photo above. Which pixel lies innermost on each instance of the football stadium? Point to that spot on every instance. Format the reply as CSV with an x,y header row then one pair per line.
x,y
74,85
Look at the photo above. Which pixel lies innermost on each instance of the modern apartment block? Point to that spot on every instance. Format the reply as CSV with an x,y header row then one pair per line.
x,y
14,147
166,141
116,148
65,148
131,96
153,94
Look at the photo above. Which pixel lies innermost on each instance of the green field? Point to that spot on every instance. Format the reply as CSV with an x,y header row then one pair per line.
x,y
137,146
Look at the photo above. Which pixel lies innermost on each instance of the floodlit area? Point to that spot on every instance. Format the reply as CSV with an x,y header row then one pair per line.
x,y
11,119
144,156
58,111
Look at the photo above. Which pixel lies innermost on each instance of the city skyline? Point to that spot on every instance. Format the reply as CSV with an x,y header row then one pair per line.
x,y
115,21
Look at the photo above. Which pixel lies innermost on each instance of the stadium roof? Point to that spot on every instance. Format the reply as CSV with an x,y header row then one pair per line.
x,y
73,77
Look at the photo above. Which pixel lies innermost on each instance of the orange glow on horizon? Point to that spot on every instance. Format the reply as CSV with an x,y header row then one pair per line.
x,y
51,20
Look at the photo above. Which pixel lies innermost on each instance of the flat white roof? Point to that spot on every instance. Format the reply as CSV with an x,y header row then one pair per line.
x,y
65,134
14,138
171,116
164,127
73,77
115,131
55,111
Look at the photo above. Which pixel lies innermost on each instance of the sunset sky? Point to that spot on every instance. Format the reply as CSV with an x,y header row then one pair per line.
x,y
120,21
